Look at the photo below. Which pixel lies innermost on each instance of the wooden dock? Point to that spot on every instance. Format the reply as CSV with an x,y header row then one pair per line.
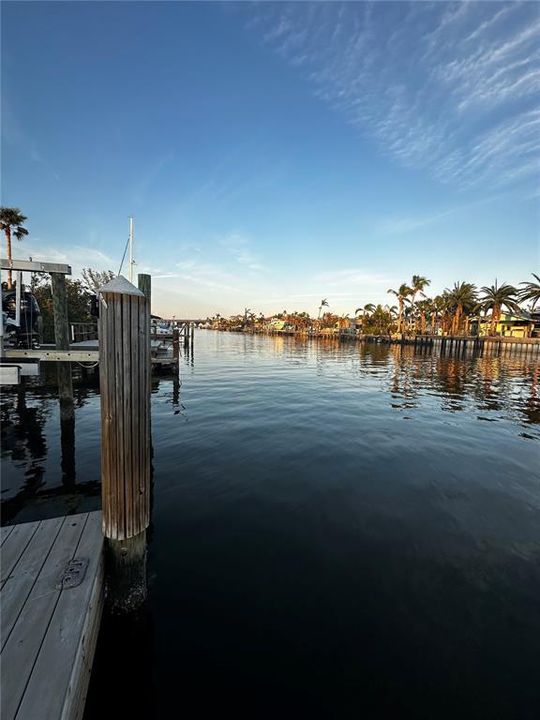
x,y
51,594
86,351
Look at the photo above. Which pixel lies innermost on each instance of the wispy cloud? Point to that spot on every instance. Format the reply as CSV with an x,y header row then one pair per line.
x,y
148,177
450,88
206,275
246,167
239,247
15,135
406,224
77,256
351,277
218,284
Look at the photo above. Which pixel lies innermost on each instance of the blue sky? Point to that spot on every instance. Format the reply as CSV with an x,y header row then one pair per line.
x,y
273,153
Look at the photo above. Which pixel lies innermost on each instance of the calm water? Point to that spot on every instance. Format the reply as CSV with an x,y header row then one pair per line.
x,y
339,531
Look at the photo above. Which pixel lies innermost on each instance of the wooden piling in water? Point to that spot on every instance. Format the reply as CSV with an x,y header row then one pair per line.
x,y
176,345
124,324
145,286
61,338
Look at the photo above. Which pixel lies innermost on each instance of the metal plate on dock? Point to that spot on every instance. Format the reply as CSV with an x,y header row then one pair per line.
x,y
74,573
49,624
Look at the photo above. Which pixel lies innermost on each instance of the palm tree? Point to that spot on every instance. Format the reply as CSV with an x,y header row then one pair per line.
x,y
495,298
402,294
460,300
382,319
425,308
12,219
369,308
440,306
417,286
531,291
418,283
324,303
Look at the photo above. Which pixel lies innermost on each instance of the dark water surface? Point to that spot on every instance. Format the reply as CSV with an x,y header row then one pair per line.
x,y
339,531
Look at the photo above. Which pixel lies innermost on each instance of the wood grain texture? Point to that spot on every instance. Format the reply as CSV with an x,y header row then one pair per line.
x,y
14,547
125,367
144,283
4,533
23,645
52,695
21,580
60,311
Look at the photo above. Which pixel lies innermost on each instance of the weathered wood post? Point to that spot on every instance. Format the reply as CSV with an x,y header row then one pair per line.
x,y
145,286
124,356
176,346
61,337
144,283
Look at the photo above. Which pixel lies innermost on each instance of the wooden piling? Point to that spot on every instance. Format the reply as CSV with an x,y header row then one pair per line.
x,y
61,337
124,324
144,283
145,286
176,345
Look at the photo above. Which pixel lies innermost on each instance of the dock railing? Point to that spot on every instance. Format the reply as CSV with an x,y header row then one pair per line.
x,y
83,331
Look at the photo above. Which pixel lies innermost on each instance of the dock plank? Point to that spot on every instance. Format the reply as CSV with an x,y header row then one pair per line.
x,y
22,647
70,638
23,576
14,546
4,533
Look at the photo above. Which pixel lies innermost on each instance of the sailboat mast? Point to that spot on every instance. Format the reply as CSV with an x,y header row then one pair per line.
x,y
130,249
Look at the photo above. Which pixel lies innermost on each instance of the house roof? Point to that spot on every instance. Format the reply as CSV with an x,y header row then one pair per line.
x,y
513,317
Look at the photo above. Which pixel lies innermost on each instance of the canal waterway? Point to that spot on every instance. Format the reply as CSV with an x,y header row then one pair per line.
x,y
338,531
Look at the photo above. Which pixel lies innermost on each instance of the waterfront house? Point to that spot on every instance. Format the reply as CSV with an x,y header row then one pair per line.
x,y
280,326
535,319
519,325
347,326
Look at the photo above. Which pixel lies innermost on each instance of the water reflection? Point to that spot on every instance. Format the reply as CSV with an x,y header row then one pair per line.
x,y
365,514
47,452
22,427
67,445
39,472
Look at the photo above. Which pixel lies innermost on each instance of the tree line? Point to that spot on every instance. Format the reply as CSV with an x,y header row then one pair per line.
x,y
450,312
79,294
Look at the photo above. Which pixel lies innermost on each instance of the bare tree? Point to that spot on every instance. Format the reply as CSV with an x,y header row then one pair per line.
x,y
94,279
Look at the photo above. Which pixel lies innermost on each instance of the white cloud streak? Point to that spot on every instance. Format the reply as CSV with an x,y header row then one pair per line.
x,y
449,88
238,246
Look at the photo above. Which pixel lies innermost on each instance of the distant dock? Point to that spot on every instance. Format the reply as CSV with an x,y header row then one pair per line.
x,y
456,345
